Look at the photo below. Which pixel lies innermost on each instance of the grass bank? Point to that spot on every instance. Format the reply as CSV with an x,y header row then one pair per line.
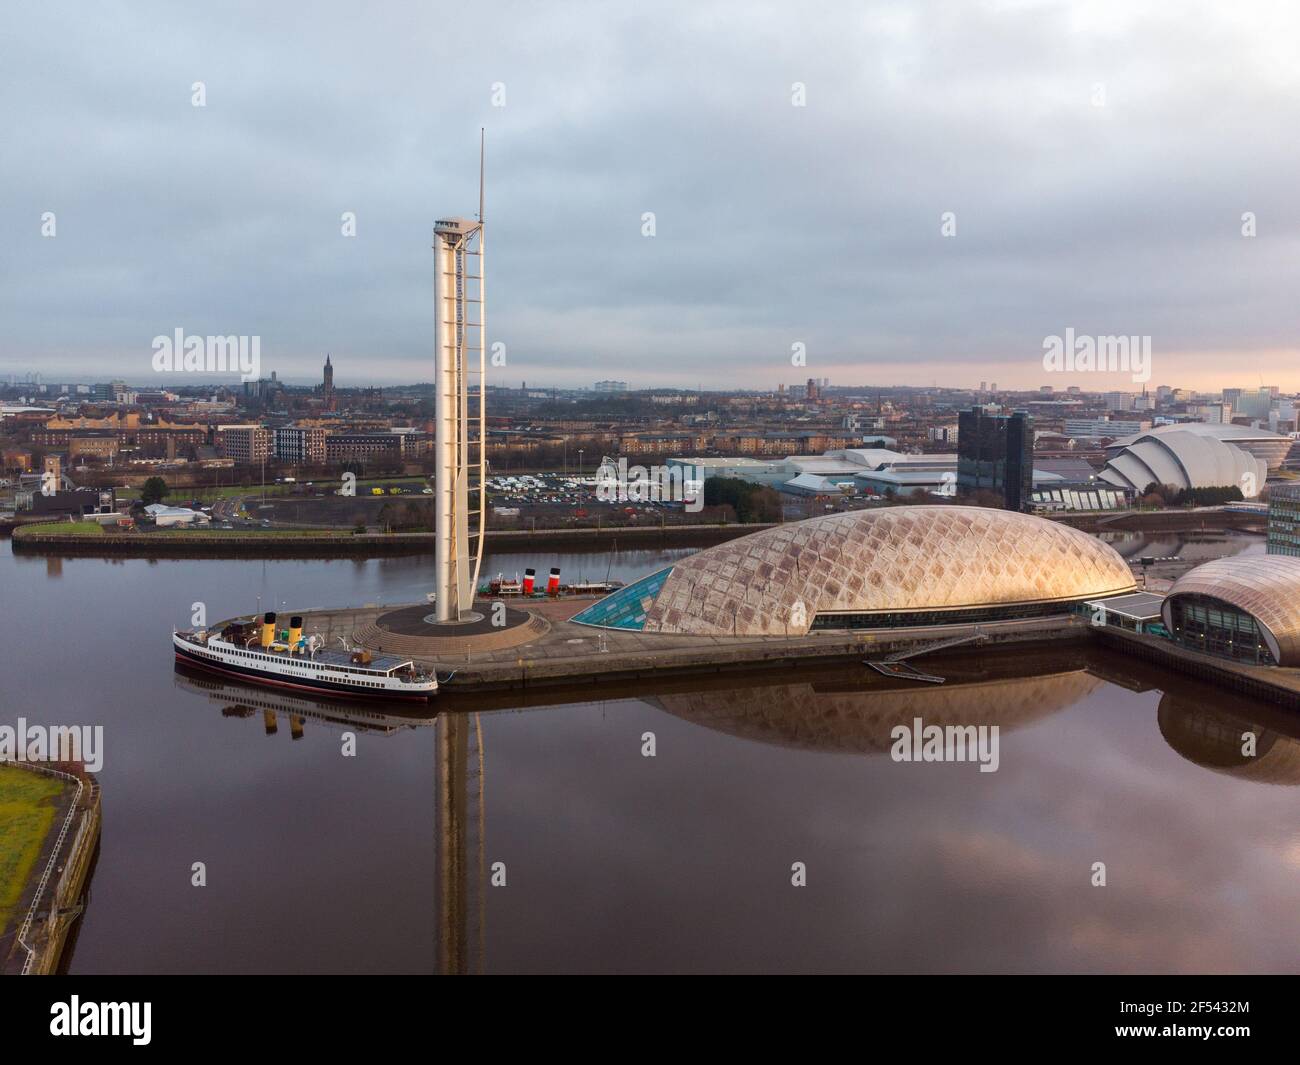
x,y
27,809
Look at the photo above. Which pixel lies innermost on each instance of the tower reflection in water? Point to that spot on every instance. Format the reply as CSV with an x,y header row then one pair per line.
x,y
843,711
459,805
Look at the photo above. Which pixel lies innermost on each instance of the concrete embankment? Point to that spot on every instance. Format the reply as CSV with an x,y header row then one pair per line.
x,y
563,652
53,898
1277,685
552,650
1165,521
287,542
190,543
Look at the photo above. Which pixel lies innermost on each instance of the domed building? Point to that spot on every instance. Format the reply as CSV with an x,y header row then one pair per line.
x,y
871,569
1179,455
1246,608
1263,444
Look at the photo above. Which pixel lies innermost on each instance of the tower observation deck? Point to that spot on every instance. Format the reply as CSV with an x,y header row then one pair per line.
x,y
459,365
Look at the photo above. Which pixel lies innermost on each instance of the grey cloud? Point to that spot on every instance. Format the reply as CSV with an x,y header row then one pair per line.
x,y
775,223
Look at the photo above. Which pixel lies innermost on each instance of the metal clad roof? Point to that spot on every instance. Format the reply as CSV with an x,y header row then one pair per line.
x,y
1267,587
774,582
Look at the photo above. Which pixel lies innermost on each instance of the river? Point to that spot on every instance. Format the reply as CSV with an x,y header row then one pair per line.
x,y
613,861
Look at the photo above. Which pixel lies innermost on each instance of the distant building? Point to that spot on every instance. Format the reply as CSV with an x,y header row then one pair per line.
x,y
878,471
18,459
995,452
342,447
101,445
299,446
246,444
611,386
1212,413
1177,455
1253,404
1099,428
165,517
77,503
1284,519
1272,448
327,385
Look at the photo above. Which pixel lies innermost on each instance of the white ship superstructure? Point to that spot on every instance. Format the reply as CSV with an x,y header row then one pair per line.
x,y
292,660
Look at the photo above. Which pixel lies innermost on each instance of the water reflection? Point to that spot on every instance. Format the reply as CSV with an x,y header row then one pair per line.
x,y
838,711
248,700
1217,736
459,812
852,712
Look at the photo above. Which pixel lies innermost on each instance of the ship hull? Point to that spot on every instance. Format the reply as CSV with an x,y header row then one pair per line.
x,y
275,680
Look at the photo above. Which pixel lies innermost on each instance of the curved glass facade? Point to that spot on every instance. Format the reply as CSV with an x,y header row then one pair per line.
x,y
896,619
1211,605
626,608
1214,627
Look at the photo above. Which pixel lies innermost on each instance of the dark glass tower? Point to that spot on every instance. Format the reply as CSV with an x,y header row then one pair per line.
x,y
995,452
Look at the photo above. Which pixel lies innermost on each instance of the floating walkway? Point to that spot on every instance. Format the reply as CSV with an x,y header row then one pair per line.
x,y
895,665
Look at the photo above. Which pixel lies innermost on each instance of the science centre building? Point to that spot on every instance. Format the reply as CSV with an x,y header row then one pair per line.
x,y
890,568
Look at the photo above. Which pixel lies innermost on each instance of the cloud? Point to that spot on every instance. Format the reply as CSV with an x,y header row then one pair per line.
x,y
774,223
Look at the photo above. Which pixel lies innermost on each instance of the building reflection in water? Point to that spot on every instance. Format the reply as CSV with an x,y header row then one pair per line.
x,y
840,710
1216,736
460,799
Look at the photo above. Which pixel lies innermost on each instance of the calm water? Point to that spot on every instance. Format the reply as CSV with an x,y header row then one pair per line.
x,y
618,862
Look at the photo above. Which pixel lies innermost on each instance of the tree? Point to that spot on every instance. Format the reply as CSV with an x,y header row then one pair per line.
x,y
751,502
154,490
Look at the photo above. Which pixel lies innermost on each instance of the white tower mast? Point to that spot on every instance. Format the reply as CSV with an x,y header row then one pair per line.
x,y
460,360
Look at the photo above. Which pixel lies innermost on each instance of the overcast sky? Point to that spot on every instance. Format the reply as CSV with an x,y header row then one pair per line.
x,y
1098,159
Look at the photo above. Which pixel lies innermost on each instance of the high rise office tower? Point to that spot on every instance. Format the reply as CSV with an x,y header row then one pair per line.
x,y
996,452
460,360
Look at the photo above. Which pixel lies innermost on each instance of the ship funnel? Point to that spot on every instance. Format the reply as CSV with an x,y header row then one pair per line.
x,y
529,576
295,632
268,628
553,584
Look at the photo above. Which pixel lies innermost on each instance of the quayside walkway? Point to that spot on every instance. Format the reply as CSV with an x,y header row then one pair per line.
x,y
549,648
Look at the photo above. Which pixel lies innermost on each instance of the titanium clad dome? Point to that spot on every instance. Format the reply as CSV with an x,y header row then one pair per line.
x,y
897,561
1267,587
1184,459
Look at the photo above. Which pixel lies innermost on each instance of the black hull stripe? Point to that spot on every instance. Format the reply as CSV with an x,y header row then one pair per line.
x,y
302,684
